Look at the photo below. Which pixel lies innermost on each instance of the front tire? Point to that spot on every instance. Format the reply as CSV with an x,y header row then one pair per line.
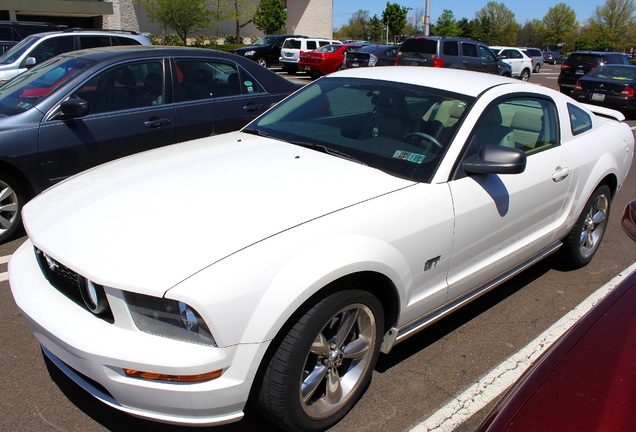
x,y
525,75
324,363
262,61
585,238
12,199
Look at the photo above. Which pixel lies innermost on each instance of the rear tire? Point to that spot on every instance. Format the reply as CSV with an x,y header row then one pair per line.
x,y
585,238
323,364
12,199
525,75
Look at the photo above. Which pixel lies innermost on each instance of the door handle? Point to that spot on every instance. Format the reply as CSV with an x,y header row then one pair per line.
x,y
560,174
154,122
251,107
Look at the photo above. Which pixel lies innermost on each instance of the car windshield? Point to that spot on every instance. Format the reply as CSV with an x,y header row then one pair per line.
x,y
14,53
401,129
618,73
266,41
29,88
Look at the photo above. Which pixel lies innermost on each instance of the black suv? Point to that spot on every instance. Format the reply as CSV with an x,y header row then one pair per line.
x,y
451,52
581,62
266,50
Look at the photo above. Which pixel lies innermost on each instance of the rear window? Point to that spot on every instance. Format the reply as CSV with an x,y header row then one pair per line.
x,y
451,48
533,52
585,59
422,46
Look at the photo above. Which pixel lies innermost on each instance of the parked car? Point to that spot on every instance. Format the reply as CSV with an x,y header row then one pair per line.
x,y
326,59
585,381
292,47
266,50
88,107
553,57
372,55
537,58
581,62
519,62
326,199
612,86
17,30
39,47
450,52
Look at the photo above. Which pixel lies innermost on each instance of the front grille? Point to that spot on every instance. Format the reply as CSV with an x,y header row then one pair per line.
x,y
66,281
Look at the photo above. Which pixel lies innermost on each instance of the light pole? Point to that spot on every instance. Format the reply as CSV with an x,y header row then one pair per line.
x,y
427,17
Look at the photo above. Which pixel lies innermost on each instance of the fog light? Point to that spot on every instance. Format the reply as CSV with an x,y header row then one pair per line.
x,y
94,296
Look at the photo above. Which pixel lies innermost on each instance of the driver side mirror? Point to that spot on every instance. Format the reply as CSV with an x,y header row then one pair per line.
x,y
496,159
73,108
30,62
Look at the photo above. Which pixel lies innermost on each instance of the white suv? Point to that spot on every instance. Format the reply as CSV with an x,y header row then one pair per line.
x,y
290,53
39,47
522,65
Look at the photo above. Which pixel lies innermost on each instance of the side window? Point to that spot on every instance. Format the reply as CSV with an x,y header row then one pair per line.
x,y
119,40
94,41
123,87
505,54
486,54
311,45
580,121
205,79
528,124
52,47
451,48
469,49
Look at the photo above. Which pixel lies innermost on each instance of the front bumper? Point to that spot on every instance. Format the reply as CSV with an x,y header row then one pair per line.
x,y
93,353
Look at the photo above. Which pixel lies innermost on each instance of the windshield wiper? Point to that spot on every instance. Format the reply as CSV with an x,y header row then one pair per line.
x,y
257,132
327,150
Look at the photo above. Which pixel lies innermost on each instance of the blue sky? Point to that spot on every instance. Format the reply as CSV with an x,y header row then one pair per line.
x,y
524,10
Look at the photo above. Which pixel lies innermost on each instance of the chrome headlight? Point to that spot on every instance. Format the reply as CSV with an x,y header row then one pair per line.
x,y
168,318
373,60
250,53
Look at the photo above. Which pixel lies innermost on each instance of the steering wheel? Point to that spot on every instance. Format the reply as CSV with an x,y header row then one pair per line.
x,y
432,141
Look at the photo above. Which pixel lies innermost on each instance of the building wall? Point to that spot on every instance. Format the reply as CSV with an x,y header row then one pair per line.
x,y
309,17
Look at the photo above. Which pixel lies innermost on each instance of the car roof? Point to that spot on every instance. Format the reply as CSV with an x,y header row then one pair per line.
x,y
132,51
453,80
109,32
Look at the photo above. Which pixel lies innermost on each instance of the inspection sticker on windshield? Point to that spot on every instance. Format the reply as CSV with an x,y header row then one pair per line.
x,y
408,156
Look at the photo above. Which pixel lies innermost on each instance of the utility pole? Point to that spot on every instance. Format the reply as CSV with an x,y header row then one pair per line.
x,y
427,18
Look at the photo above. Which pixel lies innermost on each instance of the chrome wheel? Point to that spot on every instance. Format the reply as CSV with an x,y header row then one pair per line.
x,y
9,209
340,355
594,226
261,61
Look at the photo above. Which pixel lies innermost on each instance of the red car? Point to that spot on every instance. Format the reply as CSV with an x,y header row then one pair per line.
x,y
326,59
587,380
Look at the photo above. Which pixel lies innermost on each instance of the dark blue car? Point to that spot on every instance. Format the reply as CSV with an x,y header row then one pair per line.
x,y
88,107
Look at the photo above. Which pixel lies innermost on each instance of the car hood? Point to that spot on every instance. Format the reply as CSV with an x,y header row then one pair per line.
x,y
146,222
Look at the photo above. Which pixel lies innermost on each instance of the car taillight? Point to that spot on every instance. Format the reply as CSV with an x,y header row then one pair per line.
x,y
627,92
565,66
438,62
577,87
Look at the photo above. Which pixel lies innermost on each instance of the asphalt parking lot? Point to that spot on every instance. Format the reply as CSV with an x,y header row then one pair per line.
x,y
409,385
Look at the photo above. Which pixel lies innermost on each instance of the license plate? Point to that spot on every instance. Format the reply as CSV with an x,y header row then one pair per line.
x,y
356,64
307,68
579,72
598,97
414,64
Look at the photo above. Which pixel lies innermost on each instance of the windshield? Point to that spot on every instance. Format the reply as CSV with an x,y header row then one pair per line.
x,y
29,88
14,53
401,129
266,41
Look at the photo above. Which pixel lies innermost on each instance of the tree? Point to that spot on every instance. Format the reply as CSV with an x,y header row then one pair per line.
x,y
614,23
415,23
394,16
376,30
182,16
560,25
447,25
531,34
356,27
241,12
270,16
503,27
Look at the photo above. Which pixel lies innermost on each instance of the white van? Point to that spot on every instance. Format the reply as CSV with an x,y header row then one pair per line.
x,y
290,53
39,47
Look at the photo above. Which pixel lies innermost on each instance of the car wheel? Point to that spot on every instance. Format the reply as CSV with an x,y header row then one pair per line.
x,y
525,75
262,61
537,68
324,363
11,202
585,238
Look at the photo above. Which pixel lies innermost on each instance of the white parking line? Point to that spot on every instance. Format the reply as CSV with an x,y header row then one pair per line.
x,y
3,260
503,376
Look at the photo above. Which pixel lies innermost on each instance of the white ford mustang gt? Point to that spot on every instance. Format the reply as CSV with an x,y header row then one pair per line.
x,y
275,263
